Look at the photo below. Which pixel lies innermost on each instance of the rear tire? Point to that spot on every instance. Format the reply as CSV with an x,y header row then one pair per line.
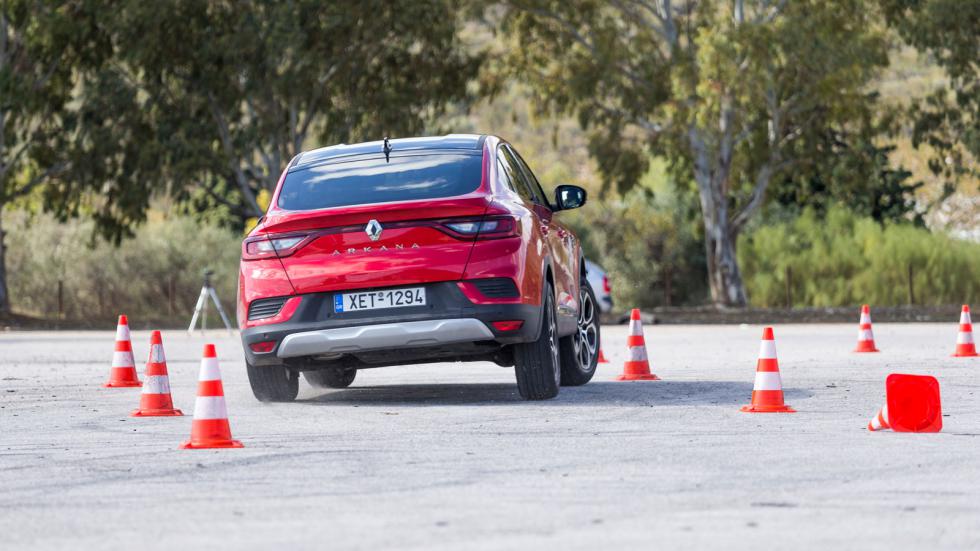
x,y
273,383
331,377
580,351
536,363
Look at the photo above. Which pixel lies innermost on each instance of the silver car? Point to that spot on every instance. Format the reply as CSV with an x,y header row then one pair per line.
x,y
600,285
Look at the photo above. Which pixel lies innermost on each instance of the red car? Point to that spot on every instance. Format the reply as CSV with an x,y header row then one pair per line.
x,y
409,251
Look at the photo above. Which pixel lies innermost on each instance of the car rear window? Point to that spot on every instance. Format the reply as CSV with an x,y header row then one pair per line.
x,y
367,181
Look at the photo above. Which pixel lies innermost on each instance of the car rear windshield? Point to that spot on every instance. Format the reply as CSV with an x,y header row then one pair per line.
x,y
367,181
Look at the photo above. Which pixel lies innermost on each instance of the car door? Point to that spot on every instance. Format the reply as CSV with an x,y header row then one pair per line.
x,y
561,244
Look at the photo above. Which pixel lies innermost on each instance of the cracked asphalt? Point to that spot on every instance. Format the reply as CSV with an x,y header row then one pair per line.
x,y
447,456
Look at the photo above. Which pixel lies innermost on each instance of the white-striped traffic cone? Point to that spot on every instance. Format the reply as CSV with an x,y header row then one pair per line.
x,y
880,421
912,404
637,368
767,392
123,371
866,339
210,428
155,400
965,347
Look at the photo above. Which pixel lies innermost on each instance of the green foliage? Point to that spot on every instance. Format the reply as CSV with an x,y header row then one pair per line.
x,y
217,97
101,281
948,120
41,45
648,246
854,169
37,54
105,106
846,259
736,94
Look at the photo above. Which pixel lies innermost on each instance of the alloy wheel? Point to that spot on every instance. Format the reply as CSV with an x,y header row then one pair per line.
x,y
587,334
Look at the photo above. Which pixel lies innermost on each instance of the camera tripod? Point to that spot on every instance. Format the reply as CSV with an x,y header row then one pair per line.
x,y
201,310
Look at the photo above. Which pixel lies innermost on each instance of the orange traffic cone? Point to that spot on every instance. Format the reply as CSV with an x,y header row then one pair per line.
x,y
602,357
637,368
767,393
912,405
210,428
866,339
880,421
155,400
965,347
123,371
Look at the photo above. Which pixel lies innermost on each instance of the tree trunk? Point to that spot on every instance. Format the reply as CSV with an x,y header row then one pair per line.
x,y
4,296
720,234
724,276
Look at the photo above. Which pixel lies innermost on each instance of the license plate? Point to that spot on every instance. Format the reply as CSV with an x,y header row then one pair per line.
x,y
395,298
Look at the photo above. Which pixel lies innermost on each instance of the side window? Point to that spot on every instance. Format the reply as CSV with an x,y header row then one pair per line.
x,y
504,175
517,179
531,179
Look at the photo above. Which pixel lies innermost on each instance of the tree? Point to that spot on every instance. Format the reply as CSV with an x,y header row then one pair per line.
x,y
221,95
41,43
853,169
949,118
727,92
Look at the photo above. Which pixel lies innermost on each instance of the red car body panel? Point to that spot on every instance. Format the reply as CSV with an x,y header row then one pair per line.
x,y
258,279
339,256
402,256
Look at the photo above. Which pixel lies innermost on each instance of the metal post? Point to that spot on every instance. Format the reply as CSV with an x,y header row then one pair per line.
x,y
911,287
789,287
170,296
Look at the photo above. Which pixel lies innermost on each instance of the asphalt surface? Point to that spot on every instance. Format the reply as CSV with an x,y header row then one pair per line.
x,y
447,456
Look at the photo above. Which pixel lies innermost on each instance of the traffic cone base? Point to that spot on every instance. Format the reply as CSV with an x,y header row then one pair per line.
x,y
768,409
156,413
119,379
210,433
215,444
627,376
866,346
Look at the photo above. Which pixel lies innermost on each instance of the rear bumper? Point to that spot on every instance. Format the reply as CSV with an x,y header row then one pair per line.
x,y
450,323
365,338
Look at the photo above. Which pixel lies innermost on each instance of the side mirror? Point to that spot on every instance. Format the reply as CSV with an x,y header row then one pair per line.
x,y
569,197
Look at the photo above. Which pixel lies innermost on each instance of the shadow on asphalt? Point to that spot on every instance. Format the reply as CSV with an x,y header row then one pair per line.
x,y
651,393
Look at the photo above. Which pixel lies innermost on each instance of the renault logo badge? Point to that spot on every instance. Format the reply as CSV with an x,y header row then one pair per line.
x,y
373,230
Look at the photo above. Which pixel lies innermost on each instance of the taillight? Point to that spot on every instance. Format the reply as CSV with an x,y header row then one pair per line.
x,y
494,227
605,284
271,246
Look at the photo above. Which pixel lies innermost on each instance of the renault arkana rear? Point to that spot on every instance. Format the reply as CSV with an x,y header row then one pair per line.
x,y
412,251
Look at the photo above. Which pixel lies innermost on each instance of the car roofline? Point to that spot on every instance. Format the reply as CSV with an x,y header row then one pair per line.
x,y
449,142
352,157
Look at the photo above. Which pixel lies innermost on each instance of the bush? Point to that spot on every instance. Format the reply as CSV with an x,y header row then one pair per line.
x,y
154,276
649,247
843,259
